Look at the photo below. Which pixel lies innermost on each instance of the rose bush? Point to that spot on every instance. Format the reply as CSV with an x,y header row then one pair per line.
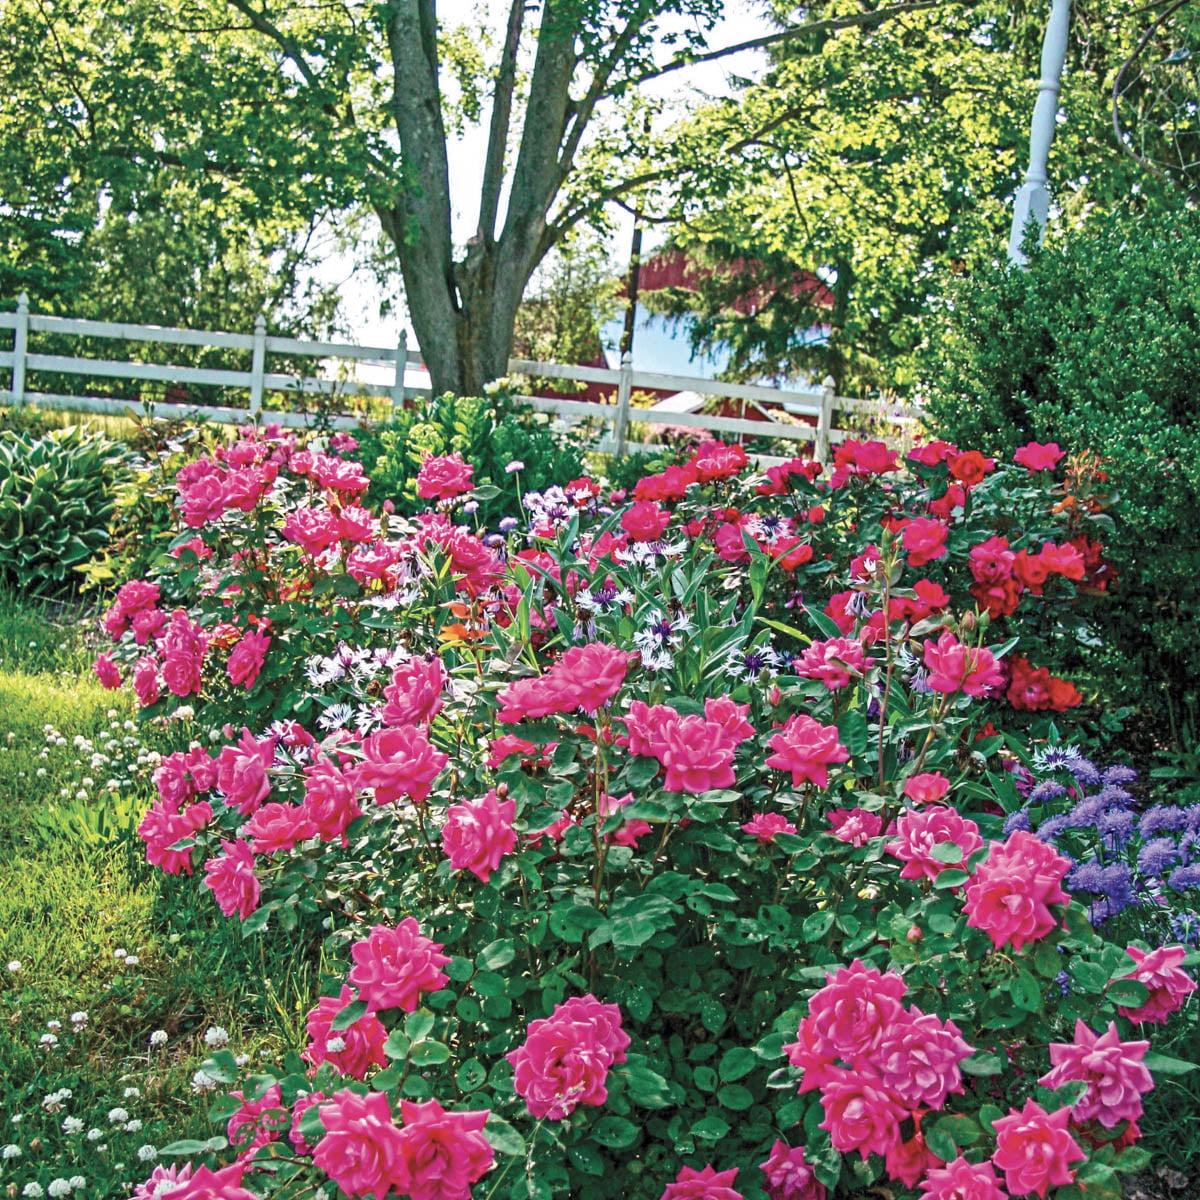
x,y
664,848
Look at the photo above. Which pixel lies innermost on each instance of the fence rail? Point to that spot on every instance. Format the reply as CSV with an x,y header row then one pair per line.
x,y
803,415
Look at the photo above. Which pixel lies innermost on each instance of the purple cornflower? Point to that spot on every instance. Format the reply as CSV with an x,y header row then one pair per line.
x,y
1048,789
1119,774
1157,856
1162,818
1183,878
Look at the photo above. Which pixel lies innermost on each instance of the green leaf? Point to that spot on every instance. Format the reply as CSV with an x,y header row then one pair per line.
x,y
946,852
615,1132
736,1097
1026,992
348,1015
816,925
645,1087
1165,1064
951,878
736,1063
982,1064
503,1137
709,1129
470,1075
1129,993
418,1024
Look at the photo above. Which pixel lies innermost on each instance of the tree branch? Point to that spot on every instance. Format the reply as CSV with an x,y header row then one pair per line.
x,y
493,167
264,26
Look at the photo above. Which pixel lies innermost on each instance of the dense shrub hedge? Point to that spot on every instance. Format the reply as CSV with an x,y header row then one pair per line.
x,y
1098,344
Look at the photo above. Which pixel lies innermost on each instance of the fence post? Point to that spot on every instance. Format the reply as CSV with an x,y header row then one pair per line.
x,y
257,366
624,391
20,343
824,421
398,379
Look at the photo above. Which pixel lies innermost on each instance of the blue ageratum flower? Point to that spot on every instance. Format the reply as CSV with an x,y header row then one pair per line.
x,y
1162,818
1050,828
1113,885
1085,772
1047,790
1116,828
1118,774
1157,856
1018,821
1183,879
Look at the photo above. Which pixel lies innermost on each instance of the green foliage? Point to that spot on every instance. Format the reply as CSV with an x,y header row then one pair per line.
x,y
489,432
56,495
1098,345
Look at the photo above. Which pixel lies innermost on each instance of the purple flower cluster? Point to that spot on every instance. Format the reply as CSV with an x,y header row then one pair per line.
x,y
1124,856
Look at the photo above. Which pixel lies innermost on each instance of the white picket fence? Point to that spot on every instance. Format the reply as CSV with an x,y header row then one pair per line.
x,y
816,405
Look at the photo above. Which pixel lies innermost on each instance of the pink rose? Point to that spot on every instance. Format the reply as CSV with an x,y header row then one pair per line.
x,y
443,477
765,826
1161,971
927,788
855,826
918,1059
441,1153
1035,1150
312,529
182,647
107,672
393,967
591,674
362,1150
164,1178
361,1043
242,772
909,1161
232,881
860,1113
789,1177
257,1122
206,1184
302,1104
246,660
961,1180
1039,457
854,1010
276,827
834,662
330,799
705,1184
565,1058
919,833
626,834
644,521
414,697
806,748
163,826
399,762
1010,894
145,681
925,540
478,834
1113,1070
698,755
954,667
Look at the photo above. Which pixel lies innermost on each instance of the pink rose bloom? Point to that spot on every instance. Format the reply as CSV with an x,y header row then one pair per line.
x,y
1162,972
1035,1150
361,1043
276,827
393,967
908,1161
299,1108
991,562
919,832
698,755
806,748
860,1113
1010,894
362,1150
925,540
246,660
715,460
164,1178
203,501
173,782
443,477
182,646
644,521
856,826
478,834
242,772
356,524
330,799
954,667
918,1060
961,1180
107,672
764,826
145,681
927,788
591,674
565,1058
206,1184
626,834
813,1056
1039,457
705,1184
528,699
1117,1078
789,1177
231,878
647,727
147,624
441,1153
833,662
414,697
257,1122
855,1008
399,762
731,716
312,529
163,826
136,596
202,768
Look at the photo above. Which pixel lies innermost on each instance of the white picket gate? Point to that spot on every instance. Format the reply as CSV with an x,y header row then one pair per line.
x,y
804,415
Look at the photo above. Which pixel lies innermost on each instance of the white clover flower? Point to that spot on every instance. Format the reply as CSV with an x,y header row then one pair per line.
x,y
117,1115
119,952
242,1059
72,1125
77,1182
16,1118
58,1187
159,1037
78,1020
131,1093
216,1038
94,1135
47,1041
33,1190
202,1082
14,965
147,1153
132,960
40,772
133,1126
10,1151
54,1026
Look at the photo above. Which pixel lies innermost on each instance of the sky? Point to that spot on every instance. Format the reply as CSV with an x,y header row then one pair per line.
x,y
361,293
